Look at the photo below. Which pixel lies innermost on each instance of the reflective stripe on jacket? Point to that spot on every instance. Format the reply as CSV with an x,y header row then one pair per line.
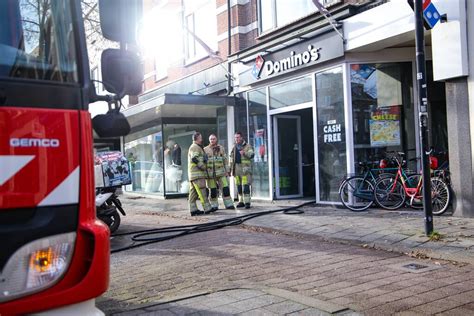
x,y
197,168
217,161
245,167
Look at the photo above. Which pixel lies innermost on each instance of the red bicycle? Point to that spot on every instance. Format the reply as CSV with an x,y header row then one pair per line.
x,y
392,192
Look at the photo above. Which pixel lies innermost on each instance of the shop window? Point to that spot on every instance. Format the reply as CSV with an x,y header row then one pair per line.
x,y
291,93
178,139
331,133
382,110
222,126
200,29
144,150
240,116
258,138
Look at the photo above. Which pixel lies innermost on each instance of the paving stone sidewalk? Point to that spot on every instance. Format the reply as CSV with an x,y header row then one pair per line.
x,y
244,302
398,231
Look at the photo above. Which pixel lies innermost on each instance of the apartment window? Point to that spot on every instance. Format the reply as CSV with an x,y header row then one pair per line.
x,y
161,37
160,66
200,28
276,13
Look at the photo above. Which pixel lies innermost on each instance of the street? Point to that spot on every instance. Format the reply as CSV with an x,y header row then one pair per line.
x,y
258,271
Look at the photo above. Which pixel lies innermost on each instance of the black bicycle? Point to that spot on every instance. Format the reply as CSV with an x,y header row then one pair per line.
x,y
357,192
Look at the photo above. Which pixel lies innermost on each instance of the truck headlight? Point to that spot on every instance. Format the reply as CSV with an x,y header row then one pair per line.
x,y
36,266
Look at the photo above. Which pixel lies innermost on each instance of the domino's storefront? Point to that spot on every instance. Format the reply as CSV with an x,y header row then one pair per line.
x,y
313,110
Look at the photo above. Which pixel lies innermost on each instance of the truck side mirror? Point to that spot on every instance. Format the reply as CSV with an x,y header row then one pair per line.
x,y
121,72
111,124
119,19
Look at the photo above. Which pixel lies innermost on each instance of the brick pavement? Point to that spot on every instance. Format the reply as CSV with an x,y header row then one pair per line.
x,y
400,231
213,263
245,302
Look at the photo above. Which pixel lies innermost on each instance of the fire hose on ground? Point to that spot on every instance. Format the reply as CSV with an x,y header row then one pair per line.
x,y
154,235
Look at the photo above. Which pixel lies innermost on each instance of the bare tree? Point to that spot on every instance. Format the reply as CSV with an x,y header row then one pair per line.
x,y
96,43
35,19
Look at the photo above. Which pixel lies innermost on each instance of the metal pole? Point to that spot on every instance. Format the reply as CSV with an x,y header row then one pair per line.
x,y
423,115
229,47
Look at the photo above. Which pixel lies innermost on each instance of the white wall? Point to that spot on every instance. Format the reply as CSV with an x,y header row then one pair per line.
x,y
383,26
449,41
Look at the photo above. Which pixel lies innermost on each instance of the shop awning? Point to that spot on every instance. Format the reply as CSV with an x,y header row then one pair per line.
x,y
175,106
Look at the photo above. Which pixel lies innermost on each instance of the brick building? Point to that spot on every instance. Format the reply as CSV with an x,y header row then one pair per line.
x,y
314,98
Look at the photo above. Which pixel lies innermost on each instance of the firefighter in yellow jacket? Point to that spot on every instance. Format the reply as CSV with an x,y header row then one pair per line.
x,y
197,175
241,166
218,172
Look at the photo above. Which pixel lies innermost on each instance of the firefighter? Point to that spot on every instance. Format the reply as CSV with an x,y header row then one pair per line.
x,y
241,166
197,175
217,170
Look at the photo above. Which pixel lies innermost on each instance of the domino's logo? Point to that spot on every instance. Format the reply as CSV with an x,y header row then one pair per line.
x,y
258,67
431,15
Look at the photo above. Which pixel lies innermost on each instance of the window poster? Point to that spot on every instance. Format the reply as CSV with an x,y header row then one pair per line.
x,y
260,148
111,169
384,126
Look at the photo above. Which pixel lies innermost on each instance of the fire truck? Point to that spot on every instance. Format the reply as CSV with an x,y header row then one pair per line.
x,y
54,252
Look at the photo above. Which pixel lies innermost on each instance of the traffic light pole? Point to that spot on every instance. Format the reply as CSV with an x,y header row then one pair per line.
x,y
423,115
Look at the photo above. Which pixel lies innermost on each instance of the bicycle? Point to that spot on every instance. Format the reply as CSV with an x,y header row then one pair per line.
x,y
391,192
357,192
441,171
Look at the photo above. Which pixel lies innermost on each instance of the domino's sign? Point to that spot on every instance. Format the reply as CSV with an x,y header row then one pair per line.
x,y
284,59
431,15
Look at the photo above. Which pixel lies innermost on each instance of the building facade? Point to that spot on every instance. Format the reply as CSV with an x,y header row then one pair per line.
x,y
314,98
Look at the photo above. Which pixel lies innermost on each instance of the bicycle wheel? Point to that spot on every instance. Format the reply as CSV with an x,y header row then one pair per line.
x,y
417,201
357,194
389,194
440,196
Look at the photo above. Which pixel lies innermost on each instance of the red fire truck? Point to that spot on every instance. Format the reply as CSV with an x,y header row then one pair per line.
x,y
54,252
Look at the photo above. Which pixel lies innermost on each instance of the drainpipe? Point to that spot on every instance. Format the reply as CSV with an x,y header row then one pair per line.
x,y
229,48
